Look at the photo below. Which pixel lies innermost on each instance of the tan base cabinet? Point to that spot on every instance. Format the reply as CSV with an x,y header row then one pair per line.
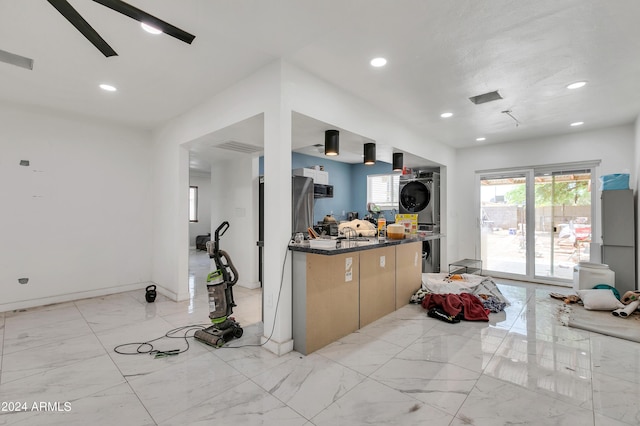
x,y
408,272
327,308
377,284
334,295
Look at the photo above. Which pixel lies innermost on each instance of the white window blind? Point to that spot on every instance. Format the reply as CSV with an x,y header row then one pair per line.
x,y
383,190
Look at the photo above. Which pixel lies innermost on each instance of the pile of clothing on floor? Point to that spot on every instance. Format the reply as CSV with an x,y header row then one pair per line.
x,y
455,297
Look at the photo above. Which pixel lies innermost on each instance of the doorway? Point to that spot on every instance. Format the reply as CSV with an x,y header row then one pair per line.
x,y
503,222
536,223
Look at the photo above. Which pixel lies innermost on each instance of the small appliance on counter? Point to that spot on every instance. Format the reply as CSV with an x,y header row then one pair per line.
x,y
330,226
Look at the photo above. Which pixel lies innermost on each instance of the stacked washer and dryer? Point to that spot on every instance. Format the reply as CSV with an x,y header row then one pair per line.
x,y
420,194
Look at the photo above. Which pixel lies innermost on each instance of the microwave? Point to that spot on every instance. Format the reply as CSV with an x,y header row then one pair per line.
x,y
322,191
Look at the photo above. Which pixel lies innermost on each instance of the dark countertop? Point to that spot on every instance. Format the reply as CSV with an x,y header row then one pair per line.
x,y
348,247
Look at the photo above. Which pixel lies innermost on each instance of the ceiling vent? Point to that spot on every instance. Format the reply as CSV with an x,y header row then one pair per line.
x,y
17,60
485,97
239,147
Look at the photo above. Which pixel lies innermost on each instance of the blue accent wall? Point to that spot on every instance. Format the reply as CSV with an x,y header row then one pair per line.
x,y
339,177
349,185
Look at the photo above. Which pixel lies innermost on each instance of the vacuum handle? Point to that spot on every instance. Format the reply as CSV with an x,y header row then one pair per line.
x,y
221,229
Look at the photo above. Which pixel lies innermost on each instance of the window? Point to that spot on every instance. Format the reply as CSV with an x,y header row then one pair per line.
x,y
383,190
193,204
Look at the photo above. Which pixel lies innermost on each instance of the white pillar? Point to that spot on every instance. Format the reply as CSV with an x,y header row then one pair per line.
x,y
182,205
277,221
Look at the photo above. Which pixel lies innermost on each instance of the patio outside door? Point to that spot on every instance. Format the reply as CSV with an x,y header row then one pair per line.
x,y
563,222
536,223
503,231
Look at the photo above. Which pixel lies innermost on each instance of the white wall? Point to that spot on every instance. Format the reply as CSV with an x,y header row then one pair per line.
x,y
235,199
76,222
252,96
203,225
614,146
276,91
259,93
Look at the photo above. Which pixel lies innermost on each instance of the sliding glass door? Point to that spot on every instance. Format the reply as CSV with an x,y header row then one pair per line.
x,y
563,221
536,223
503,219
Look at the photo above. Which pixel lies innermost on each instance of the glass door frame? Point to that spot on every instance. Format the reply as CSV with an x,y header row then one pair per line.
x,y
530,173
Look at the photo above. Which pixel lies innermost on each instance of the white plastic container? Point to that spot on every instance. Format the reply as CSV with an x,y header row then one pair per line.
x,y
322,243
587,275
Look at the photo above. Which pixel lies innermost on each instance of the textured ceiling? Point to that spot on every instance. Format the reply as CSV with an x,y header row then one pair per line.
x,y
439,54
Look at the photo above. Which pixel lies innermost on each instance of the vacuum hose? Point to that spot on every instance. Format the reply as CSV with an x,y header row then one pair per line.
x,y
225,262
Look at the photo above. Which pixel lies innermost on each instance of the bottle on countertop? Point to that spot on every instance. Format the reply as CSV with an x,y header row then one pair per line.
x,y
382,228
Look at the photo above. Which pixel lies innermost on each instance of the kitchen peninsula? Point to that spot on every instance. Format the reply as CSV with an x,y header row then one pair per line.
x,y
336,291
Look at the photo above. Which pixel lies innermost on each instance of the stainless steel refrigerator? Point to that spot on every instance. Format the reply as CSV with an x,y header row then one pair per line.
x,y
618,237
302,199
301,204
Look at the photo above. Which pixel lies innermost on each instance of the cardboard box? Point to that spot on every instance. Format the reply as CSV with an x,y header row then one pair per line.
x,y
410,222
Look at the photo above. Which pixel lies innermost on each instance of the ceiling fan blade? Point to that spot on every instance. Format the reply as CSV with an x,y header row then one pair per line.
x,y
17,60
83,26
141,16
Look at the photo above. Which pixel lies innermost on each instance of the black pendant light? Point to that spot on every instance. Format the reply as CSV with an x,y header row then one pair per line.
x,y
397,161
369,153
331,143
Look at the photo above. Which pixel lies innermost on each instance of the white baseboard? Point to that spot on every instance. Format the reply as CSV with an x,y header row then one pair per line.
x,y
250,286
167,293
277,347
42,301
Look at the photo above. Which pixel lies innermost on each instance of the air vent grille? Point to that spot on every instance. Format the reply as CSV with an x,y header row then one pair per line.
x,y
239,147
17,60
485,97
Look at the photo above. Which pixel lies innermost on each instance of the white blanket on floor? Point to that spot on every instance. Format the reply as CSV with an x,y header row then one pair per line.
x,y
475,284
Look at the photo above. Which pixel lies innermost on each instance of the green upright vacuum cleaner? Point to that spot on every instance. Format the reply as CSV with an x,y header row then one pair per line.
x,y
220,289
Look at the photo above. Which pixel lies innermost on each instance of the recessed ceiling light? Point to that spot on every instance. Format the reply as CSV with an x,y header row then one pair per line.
x,y
576,85
481,139
446,114
108,87
577,123
378,62
148,28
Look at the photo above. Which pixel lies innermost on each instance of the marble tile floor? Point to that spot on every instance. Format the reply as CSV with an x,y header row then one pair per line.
x,y
523,367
